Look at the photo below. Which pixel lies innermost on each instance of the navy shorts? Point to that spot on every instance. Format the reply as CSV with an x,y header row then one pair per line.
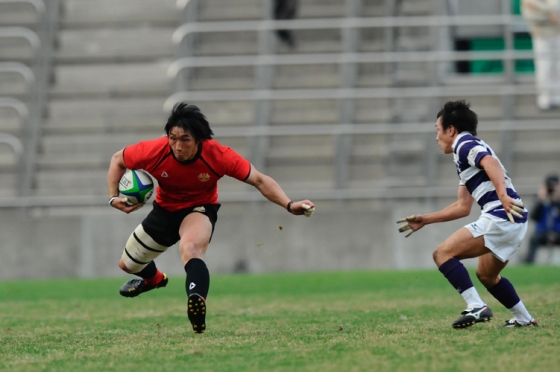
x,y
163,226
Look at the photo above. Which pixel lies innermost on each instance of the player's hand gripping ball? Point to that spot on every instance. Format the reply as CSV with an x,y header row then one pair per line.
x,y
136,186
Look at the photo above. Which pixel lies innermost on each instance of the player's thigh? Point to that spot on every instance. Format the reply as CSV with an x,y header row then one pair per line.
x,y
461,244
195,232
489,268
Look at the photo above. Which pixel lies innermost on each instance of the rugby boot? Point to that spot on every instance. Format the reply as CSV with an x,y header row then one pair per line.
x,y
471,316
136,286
513,323
197,313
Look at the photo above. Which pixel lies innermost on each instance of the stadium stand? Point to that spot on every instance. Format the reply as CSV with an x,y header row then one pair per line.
x,y
345,118
20,47
340,111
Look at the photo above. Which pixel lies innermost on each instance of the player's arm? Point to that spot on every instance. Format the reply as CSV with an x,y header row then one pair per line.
x,y
273,192
496,174
117,168
460,208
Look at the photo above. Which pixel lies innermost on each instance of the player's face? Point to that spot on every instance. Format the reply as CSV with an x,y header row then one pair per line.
x,y
182,143
444,138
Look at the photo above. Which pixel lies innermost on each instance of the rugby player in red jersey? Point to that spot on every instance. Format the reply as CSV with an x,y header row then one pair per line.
x,y
187,163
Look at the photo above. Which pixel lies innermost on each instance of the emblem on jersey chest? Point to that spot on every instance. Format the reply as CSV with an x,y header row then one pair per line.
x,y
203,177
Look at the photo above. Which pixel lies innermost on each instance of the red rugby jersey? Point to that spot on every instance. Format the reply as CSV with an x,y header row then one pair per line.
x,y
190,183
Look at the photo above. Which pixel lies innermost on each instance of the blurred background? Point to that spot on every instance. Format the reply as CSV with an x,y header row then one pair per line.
x,y
335,99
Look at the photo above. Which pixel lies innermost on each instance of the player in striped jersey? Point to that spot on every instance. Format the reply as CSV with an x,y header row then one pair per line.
x,y
494,237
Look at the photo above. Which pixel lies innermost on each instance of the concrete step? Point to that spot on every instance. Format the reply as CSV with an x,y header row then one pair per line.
x,y
10,121
79,13
73,161
18,14
307,76
221,78
321,111
74,182
231,10
111,79
321,9
105,115
226,43
115,44
9,183
375,8
78,144
372,110
8,159
302,176
302,148
16,49
13,84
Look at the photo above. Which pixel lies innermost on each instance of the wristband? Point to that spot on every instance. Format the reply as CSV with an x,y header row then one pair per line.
x,y
289,206
111,200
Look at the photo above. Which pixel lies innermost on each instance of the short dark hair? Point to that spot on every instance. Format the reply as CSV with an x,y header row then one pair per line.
x,y
190,119
459,115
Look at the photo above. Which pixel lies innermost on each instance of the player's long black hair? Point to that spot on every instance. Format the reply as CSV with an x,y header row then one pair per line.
x,y
190,119
459,115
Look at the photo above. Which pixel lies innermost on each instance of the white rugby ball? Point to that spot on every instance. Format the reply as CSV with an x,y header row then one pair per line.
x,y
137,186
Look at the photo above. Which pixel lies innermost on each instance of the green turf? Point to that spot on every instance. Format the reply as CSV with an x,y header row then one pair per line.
x,y
350,321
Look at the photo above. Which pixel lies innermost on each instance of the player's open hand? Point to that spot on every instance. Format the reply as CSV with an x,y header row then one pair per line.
x,y
123,205
303,207
515,208
413,223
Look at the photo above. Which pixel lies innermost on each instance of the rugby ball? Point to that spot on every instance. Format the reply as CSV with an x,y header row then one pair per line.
x,y
137,186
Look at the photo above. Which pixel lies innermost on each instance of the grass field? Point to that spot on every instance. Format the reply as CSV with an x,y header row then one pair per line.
x,y
351,321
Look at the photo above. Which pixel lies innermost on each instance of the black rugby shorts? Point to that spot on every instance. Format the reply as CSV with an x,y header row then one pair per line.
x,y
163,226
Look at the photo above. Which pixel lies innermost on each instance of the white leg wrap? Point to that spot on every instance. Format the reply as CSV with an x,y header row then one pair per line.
x,y
140,250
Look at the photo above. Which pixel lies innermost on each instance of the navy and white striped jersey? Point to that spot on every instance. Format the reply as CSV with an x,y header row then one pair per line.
x,y
468,151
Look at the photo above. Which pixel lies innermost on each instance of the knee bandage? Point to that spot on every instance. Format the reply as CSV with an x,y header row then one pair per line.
x,y
140,250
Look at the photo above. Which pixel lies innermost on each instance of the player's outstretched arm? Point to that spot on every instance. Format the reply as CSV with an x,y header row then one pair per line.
x,y
273,192
460,208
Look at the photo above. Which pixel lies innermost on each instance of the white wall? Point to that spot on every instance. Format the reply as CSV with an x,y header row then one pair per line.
x,y
261,237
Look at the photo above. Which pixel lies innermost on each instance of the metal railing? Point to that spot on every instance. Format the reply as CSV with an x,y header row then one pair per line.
x,y
36,76
263,93
14,143
21,69
38,5
346,23
16,105
506,86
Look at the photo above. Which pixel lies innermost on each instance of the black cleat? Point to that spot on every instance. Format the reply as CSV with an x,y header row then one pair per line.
x,y
513,323
136,286
471,316
197,313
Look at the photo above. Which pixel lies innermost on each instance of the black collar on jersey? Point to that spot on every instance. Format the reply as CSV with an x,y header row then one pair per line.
x,y
190,161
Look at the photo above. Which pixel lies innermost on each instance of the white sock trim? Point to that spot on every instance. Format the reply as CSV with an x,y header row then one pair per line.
x,y
472,298
520,313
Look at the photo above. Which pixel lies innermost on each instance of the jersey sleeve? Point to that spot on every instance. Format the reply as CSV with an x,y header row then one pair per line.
x,y
236,166
135,155
473,152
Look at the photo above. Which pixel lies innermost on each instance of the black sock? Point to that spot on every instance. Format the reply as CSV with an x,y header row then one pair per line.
x,y
456,274
505,293
198,278
148,272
